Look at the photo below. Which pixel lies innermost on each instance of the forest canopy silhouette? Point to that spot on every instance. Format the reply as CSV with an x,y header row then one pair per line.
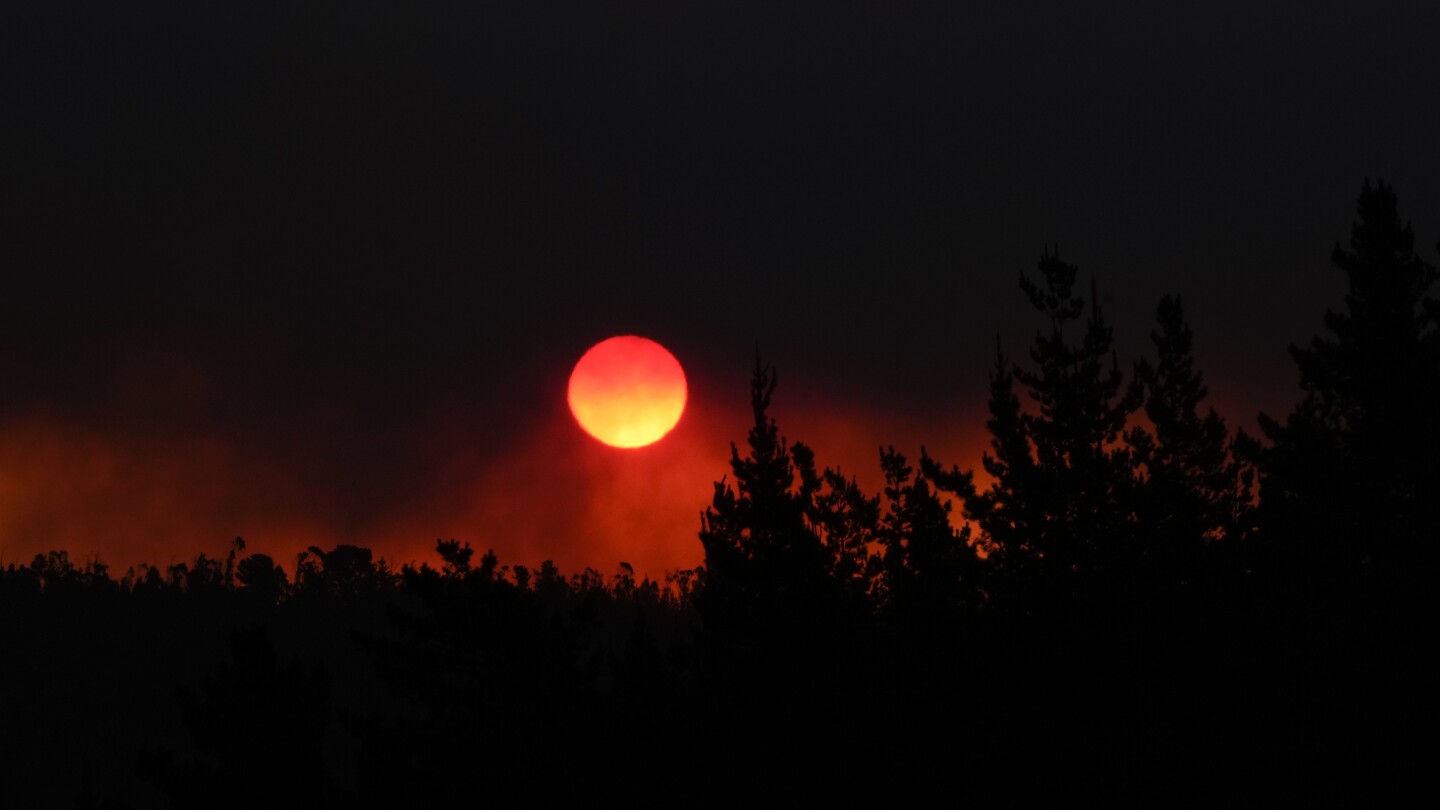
x,y
1126,599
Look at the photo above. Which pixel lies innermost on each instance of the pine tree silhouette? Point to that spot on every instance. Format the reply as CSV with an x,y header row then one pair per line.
x,y
1349,514
1197,490
1060,510
931,570
1352,475
782,599
762,558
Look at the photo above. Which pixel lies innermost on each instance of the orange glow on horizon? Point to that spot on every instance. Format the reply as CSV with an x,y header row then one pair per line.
x,y
627,391
532,490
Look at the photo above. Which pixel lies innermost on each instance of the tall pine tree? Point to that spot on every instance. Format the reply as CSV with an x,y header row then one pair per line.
x,y
1060,510
786,547
784,604
1197,491
1349,484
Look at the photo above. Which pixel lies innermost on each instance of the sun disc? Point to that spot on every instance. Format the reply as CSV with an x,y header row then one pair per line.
x,y
627,391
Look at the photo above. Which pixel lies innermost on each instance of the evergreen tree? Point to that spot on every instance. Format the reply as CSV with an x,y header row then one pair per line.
x,y
1349,482
930,569
845,519
758,548
784,605
1060,509
1197,491
785,544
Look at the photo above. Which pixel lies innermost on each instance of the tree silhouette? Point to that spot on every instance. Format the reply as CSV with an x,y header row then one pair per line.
x,y
1197,490
262,577
844,519
345,569
1351,476
1348,513
931,571
455,559
784,608
1060,510
766,563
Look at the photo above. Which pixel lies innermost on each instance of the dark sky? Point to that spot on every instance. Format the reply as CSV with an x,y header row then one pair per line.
x,y
317,272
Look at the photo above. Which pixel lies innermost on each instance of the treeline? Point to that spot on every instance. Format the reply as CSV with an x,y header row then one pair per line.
x,y
1132,602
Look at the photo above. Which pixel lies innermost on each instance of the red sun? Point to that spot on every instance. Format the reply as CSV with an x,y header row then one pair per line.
x,y
627,391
